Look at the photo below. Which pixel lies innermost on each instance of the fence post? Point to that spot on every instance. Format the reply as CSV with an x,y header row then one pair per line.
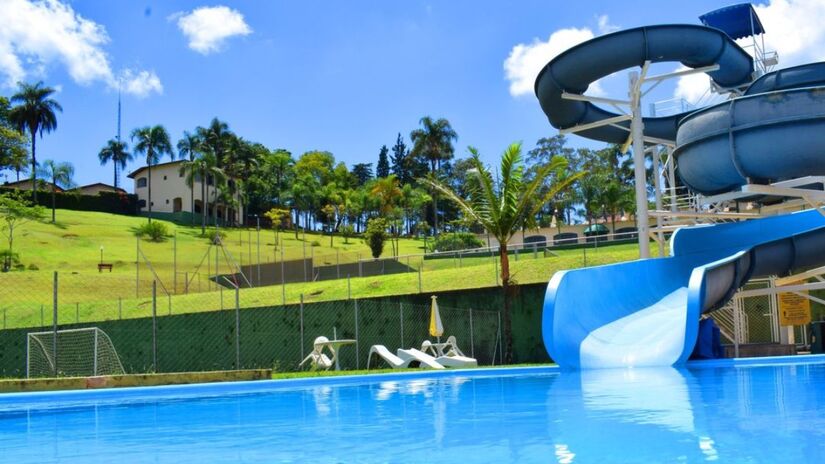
x,y
42,318
304,251
357,350
420,287
237,328
186,284
736,326
360,266
349,288
584,253
500,341
496,271
4,320
338,263
94,355
54,323
155,326
301,315
283,275
137,267
77,313
460,260
472,344
174,263
169,303
401,318
119,307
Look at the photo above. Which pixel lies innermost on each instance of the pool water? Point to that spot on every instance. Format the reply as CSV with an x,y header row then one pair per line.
x,y
753,413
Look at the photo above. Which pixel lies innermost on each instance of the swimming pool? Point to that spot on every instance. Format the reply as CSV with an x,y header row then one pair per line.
x,y
760,411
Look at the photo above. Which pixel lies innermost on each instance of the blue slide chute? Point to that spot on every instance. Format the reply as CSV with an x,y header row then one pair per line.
x,y
646,312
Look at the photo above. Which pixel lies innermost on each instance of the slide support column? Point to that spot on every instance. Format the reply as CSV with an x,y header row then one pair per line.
x,y
637,133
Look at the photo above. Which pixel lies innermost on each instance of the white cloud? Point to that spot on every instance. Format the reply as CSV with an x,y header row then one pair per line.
x,y
793,28
526,60
208,28
38,34
604,25
141,83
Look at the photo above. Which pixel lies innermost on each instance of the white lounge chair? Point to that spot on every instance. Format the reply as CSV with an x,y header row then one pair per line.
x,y
403,359
448,354
317,358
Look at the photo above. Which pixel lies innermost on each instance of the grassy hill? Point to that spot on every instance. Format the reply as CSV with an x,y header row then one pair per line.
x,y
72,247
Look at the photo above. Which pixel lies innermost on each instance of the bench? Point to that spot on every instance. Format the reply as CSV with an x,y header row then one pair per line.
x,y
102,266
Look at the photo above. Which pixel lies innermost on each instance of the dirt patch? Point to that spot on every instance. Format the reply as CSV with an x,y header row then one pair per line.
x,y
70,235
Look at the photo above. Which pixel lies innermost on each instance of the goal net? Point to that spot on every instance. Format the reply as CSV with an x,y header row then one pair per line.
x,y
80,353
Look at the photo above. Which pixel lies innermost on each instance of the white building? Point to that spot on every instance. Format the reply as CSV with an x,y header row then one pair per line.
x,y
174,200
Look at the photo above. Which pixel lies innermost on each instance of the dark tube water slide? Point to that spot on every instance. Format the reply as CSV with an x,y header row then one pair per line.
x,y
574,70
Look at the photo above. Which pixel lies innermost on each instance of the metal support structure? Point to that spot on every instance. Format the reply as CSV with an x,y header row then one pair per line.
x,y
637,134
671,177
657,187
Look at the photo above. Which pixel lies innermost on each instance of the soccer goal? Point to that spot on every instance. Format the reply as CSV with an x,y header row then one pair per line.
x,y
80,353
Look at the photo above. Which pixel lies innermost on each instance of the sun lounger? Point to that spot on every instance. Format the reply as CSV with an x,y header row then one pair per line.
x,y
448,354
317,358
403,358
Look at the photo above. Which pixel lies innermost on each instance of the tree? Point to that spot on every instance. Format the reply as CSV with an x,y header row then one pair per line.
x,y
13,152
152,141
188,149
204,168
16,211
389,194
362,173
347,231
276,217
215,139
382,169
376,235
60,174
399,155
115,152
433,142
502,203
34,113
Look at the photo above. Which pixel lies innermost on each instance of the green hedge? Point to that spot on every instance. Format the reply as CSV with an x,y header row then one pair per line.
x,y
104,202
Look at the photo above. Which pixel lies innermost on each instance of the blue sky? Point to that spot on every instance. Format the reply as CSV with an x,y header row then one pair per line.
x,y
339,76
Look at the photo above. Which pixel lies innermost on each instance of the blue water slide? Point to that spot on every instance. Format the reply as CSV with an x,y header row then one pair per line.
x,y
646,312
577,68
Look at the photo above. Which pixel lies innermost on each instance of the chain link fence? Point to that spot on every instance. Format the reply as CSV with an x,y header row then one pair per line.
x,y
225,332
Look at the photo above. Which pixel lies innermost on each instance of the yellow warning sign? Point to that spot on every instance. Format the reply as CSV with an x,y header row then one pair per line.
x,y
794,309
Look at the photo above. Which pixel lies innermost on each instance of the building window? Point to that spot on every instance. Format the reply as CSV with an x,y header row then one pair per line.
x,y
141,203
141,182
167,201
164,177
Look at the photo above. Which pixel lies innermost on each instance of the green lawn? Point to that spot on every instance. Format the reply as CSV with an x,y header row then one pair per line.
x,y
73,249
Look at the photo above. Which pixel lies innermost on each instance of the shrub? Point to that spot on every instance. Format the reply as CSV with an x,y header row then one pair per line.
x,y
455,241
154,231
376,235
315,243
347,231
33,267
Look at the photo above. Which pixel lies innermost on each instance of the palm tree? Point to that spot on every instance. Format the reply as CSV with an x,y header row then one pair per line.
x,y
216,139
19,162
502,203
34,113
204,166
434,143
60,174
189,147
154,143
115,151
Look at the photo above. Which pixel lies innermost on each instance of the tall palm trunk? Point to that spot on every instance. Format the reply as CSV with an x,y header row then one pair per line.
x,y
53,201
505,287
34,168
150,192
192,201
115,182
204,203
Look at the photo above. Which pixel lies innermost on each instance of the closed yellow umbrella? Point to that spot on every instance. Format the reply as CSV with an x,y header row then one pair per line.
x,y
436,328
